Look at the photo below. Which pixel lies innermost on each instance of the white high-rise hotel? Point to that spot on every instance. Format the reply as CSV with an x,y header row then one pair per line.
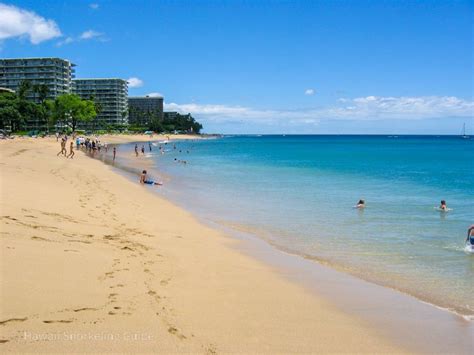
x,y
58,75
55,73
111,95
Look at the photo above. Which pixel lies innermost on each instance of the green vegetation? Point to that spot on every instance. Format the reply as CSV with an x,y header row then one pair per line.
x,y
181,123
151,121
29,111
69,109
18,112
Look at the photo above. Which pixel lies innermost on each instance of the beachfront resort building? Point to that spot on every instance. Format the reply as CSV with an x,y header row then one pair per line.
x,y
143,109
55,73
110,95
170,115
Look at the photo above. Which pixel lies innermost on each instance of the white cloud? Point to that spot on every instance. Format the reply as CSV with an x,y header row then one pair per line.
x,y
309,92
16,22
67,40
91,34
134,82
84,36
362,108
94,6
377,107
154,94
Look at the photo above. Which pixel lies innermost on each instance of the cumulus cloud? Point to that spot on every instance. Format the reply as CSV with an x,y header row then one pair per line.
x,y
154,94
309,92
361,108
94,6
17,22
134,82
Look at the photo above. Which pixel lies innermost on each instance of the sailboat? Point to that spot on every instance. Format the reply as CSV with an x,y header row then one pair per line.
x,y
463,135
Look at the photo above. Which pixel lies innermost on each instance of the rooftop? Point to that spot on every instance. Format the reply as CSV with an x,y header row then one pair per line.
x,y
146,97
83,79
39,58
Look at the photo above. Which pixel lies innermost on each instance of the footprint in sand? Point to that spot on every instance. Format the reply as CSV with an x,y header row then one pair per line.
x,y
164,282
40,238
13,320
175,331
58,321
85,309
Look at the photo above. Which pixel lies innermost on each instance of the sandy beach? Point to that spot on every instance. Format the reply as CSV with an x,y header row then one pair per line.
x,y
93,262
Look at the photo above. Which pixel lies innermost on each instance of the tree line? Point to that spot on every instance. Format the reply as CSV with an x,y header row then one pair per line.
x,y
154,120
30,108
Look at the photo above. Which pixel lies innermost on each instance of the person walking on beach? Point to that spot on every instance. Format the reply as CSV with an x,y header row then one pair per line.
x,y
71,150
115,152
136,150
63,148
143,149
57,136
149,146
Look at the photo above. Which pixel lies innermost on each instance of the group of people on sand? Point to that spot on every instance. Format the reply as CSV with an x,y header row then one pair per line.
x,y
63,150
90,145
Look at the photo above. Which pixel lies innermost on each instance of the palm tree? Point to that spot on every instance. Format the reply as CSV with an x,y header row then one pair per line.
x,y
42,92
23,89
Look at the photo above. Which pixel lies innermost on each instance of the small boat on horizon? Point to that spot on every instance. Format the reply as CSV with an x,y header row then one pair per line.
x,y
463,134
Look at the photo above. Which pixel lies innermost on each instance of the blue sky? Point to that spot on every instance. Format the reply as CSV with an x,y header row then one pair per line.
x,y
269,66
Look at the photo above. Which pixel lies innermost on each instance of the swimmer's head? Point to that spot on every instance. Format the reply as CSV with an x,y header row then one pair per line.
x,y
144,172
443,202
361,202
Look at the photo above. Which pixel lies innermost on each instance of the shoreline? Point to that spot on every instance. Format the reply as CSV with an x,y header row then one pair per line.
x,y
131,268
292,264
236,230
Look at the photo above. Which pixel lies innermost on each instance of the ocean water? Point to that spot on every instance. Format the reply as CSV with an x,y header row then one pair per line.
x,y
298,193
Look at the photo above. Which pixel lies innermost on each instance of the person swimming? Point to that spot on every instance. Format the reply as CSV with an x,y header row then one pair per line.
x,y
470,235
144,180
360,204
443,206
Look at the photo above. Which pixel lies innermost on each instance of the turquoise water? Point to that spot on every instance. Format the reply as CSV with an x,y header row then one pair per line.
x,y
298,193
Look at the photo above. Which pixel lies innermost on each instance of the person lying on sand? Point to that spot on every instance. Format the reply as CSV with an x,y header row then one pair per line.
x,y
143,180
